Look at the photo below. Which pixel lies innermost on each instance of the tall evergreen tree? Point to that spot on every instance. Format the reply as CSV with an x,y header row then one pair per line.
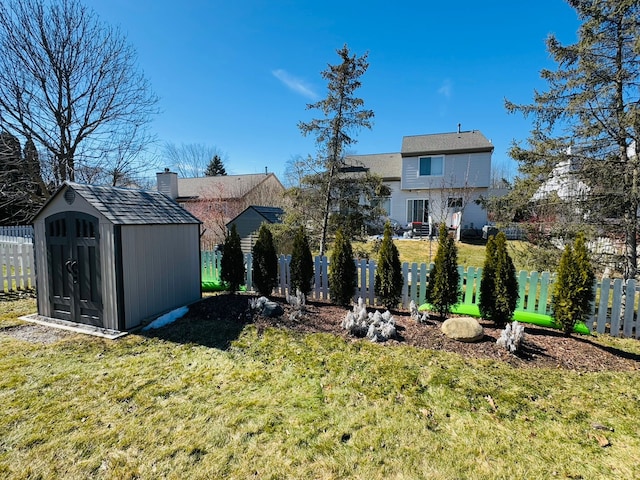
x,y
265,262
23,191
343,114
443,289
301,267
573,291
388,281
498,285
215,167
343,275
232,263
588,118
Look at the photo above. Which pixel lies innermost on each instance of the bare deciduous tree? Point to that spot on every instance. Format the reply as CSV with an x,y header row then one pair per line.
x,y
190,160
71,84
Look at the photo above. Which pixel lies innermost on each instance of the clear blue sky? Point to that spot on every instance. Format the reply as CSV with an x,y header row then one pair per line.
x,y
237,74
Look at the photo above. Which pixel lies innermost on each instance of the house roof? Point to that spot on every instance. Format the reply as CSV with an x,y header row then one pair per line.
x,y
270,214
456,142
124,206
387,165
221,186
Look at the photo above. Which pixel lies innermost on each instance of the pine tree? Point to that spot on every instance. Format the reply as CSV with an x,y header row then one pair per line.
x,y
265,262
587,118
443,289
343,275
498,285
388,280
573,291
343,114
215,167
232,263
301,267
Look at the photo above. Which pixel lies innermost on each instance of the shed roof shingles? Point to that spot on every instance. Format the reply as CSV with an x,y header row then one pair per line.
x,y
123,206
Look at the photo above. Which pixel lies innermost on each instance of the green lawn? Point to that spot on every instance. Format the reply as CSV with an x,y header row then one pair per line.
x,y
423,251
181,404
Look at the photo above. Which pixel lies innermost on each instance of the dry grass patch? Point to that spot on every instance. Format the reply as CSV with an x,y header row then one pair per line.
x,y
279,404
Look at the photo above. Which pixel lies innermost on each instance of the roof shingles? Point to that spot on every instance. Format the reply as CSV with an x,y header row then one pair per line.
x,y
123,206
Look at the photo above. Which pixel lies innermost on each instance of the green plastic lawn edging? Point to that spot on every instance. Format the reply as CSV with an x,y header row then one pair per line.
x,y
522,316
218,287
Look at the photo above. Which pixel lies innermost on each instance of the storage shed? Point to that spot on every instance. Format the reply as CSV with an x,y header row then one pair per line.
x,y
249,220
114,257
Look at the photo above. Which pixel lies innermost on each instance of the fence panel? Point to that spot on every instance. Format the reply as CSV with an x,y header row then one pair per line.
x,y
18,270
609,312
22,231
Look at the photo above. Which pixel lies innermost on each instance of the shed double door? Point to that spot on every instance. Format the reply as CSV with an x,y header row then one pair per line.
x,y
73,257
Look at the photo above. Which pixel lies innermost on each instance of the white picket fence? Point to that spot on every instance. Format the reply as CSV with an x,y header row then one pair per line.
x,y
608,314
17,262
16,232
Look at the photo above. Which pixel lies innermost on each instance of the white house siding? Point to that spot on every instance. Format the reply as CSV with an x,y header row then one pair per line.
x,y
460,170
473,215
163,277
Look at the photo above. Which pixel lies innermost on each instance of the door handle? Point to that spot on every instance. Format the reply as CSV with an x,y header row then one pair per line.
x,y
72,267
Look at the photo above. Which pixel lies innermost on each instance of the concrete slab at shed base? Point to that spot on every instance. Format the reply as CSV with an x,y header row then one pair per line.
x,y
73,327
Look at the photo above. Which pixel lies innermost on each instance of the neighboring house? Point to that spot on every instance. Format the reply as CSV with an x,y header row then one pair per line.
x,y
218,199
248,223
434,177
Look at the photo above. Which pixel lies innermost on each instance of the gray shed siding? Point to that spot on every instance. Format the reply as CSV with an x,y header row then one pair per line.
x,y
160,269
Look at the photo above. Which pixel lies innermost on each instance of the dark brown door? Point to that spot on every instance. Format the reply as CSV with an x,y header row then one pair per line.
x,y
73,256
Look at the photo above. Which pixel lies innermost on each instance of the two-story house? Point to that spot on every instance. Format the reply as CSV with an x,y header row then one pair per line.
x,y
435,178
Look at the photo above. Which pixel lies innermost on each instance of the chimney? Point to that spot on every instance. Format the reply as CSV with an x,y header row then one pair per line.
x,y
459,125
168,183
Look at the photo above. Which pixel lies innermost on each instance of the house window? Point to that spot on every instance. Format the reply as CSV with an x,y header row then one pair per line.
x,y
454,202
418,211
431,166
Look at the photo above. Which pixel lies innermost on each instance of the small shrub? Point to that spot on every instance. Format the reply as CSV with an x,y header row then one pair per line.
x,y
499,284
343,275
232,262
301,267
416,315
298,302
376,326
443,289
512,337
388,279
573,291
265,262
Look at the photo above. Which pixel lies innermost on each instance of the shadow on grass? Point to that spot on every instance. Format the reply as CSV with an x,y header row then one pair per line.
x,y
214,321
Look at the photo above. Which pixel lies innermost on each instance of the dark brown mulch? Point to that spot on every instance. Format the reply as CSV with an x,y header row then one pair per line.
x,y
543,348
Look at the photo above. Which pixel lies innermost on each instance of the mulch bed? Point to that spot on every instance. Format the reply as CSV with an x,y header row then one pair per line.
x,y
543,348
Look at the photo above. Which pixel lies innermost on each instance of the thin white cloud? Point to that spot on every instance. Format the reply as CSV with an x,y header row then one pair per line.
x,y
446,89
295,84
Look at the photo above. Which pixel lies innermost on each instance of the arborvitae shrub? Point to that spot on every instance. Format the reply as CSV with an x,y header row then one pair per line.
x,y
499,284
573,291
232,262
388,280
265,262
443,289
301,267
342,271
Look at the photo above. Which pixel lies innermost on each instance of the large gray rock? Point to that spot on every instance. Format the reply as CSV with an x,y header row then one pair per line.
x,y
463,329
